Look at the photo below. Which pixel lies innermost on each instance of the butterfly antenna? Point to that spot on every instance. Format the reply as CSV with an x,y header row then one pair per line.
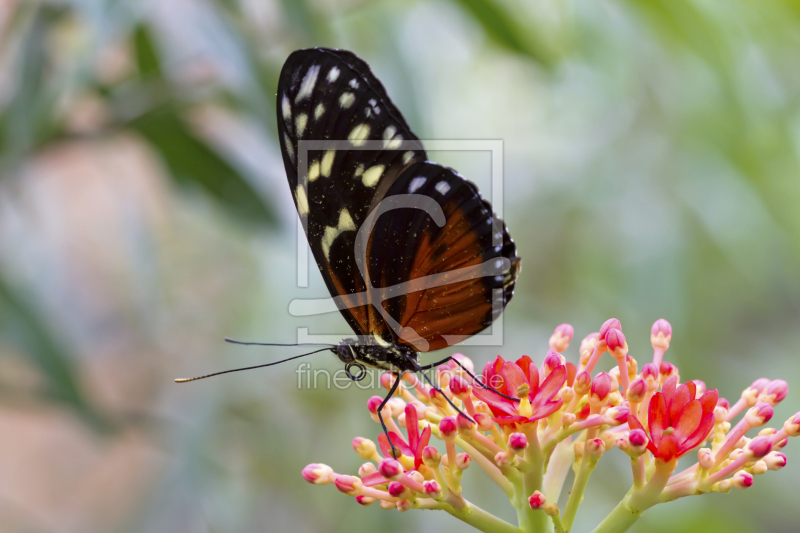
x,y
446,397
232,341
184,380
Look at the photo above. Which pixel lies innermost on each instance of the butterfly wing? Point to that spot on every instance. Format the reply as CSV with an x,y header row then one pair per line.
x,y
446,264
332,95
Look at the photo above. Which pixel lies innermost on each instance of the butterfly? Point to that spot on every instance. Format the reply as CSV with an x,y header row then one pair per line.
x,y
413,256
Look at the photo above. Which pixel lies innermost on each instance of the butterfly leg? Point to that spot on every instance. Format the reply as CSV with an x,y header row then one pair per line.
x,y
380,408
446,397
473,376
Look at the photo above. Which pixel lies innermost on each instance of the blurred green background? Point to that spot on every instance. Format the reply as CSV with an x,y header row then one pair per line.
x,y
652,169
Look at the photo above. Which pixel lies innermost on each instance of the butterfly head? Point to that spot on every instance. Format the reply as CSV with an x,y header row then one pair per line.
x,y
346,351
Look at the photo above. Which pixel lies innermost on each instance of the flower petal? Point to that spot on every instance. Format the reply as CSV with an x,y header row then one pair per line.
x,y
709,401
546,410
498,405
550,386
533,374
633,423
703,429
683,395
657,417
373,479
516,419
412,426
668,448
687,421
524,364
423,441
572,371
399,443
668,390
514,378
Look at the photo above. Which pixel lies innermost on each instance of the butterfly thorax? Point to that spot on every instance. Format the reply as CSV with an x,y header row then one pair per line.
x,y
393,358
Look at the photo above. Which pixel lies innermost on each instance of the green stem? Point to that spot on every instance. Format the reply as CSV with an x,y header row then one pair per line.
x,y
481,520
557,468
619,520
532,480
576,495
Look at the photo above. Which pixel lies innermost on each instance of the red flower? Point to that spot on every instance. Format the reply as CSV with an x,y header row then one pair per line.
x,y
512,378
677,422
416,440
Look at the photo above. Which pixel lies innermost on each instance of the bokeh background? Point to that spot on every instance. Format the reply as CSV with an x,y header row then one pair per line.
x,y
652,169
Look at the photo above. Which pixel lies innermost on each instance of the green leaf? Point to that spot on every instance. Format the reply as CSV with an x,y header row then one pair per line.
x,y
27,330
192,162
505,32
147,58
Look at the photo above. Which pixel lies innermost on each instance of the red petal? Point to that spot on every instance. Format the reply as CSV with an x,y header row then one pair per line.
x,y
692,390
571,372
657,417
412,426
498,405
687,420
516,419
679,400
546,410
668,390
533,374
709,401
705,427
492,369
399,443
374,479
550,386
668,448
514,378
524,364
423,441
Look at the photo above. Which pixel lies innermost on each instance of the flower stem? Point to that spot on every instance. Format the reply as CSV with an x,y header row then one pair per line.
x,y
579,485
481,520
619,520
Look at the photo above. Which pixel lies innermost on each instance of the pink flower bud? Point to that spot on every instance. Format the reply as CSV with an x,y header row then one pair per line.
x,y
465,424
365,448
623,443
485,422
595,447
722,402
775,460
759,415
616,416
465,361
637,390
448,428
667,369
460,387
650,372
700,388
760,385
432,489
742,480
390,468
517,442
318,474
638,439
561,337
463,461
611,323
404,505
366,469
387,380
373,404
583,383
601,387
775,392
366,501
760,446
397,489
348,484
615,341
587,347
502,459
551,361
537,500
792,426
661,328
431,456
706,459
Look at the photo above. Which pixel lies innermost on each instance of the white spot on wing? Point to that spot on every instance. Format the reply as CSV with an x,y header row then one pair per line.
x,y
318,111
327,163
388,133
395,143
372,175
416,183
302,201
333,74
346,100
286,106
313,171
307,86
373,102
354,83
331,233
359,134
300,123
359,170
442,187
287,144
407,157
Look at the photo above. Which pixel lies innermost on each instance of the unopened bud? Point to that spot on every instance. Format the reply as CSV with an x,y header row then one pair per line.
x,y
537,500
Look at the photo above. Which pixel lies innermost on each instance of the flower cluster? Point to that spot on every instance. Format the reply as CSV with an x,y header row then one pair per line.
x,y
528,425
